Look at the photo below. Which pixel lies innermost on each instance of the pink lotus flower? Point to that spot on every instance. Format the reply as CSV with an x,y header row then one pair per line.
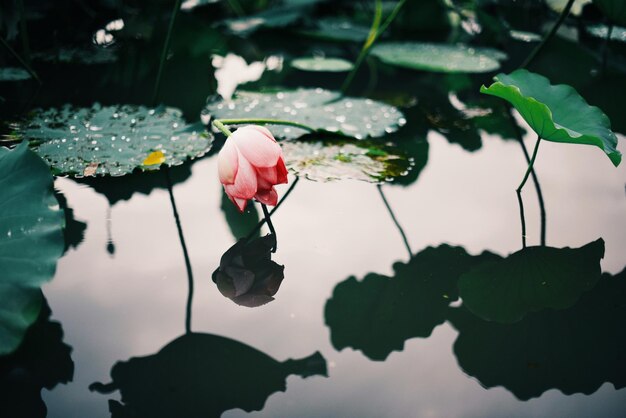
x,y
250,164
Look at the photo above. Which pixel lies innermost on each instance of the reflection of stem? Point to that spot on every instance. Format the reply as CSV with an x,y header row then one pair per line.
x,y
21,61
519,190
268,219
23,30
280,202
395,221
165,50
236,7
542,206
375,31
168,180
550,34
260,121
110,243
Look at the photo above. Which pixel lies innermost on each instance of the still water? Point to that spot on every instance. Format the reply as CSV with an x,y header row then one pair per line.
x,y
368,321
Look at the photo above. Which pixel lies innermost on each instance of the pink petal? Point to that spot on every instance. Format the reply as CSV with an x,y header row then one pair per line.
x,y
264,131
281,171
240,203
269,197
227,163
268,175
256,146
245,184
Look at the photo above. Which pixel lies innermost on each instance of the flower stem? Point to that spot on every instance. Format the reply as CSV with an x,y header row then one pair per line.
x,y
268,219
519,190
223,129
280,202
262,122
375,31
166,47
550,34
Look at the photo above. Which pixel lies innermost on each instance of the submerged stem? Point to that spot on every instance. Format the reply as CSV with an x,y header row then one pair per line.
x,y
166,47
181,237
395,221
263,122
550,34
23,63
519,191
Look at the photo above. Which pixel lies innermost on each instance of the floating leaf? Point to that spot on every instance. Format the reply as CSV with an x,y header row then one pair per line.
x,y
320,109
13,74
531,279
614,9
337,29
90,56
340,159
556,112
575,350
522,36
31,240
444,58
275,17
112,140
322,64
618,33
378,314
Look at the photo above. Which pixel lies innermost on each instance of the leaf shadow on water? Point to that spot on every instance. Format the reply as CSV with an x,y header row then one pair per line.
x,y
42,361
574,347
575,350
201,375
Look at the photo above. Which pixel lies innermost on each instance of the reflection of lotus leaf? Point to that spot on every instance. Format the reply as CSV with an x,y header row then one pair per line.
x,y
531,279
337,160
112,140
574,350
322,64
13,74
323,110
378,314
337,29
42,361
31,240
201,376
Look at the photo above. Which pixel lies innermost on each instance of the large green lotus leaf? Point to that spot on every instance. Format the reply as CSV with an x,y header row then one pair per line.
x,y
378,314
31,240
531,279
337,29
443,58
319,64
556,112
320,109
575,350
341,159
112,140
275,17
13,74
614,9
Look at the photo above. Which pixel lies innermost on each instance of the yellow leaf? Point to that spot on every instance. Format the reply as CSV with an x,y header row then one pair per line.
x,y
155,158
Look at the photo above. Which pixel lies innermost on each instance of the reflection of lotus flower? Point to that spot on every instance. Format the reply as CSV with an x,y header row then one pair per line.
x,y
247,274
250,164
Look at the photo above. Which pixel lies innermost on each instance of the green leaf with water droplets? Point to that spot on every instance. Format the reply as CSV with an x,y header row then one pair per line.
x,y
323,110
111,140
338,30
445,58
532,279
31,240
329,160
556,112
